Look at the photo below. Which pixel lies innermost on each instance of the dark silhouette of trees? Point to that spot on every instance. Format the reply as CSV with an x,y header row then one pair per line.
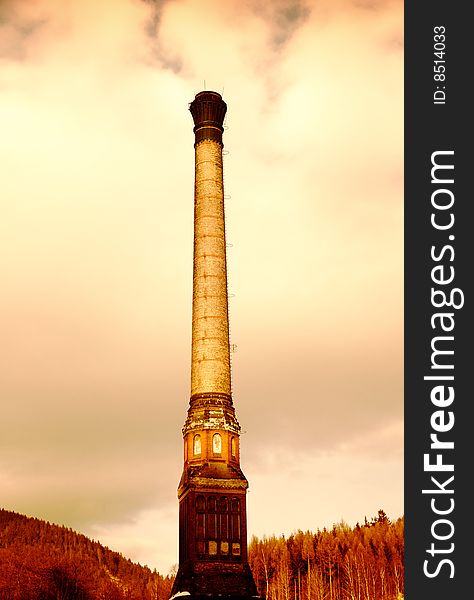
x,y
360,563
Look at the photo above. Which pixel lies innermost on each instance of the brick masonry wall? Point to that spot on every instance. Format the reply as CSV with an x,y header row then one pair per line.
x,y
210,369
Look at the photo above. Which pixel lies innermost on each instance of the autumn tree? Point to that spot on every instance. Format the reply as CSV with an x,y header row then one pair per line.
x,y
360,563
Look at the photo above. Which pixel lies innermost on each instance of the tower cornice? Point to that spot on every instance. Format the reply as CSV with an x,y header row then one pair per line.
x,y
208,111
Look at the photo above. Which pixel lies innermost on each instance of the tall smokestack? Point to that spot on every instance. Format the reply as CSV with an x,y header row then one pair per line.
x,y
210,365
212,492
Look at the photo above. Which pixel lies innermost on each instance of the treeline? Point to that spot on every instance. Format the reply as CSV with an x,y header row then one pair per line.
x,y
360,563
40,561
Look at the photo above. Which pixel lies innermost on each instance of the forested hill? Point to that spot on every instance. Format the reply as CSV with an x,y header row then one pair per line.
x,y
364,562
40,561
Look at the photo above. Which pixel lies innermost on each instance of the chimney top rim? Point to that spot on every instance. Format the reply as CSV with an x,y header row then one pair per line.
x,y
208,92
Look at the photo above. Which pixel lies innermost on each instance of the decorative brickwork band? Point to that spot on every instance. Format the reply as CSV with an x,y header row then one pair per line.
x,y
214,399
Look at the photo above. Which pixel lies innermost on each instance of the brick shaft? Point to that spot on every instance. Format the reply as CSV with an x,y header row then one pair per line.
x,y
210,365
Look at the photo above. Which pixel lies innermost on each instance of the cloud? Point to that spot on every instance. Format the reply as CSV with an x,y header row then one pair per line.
x,y
96,248
20,26
324,482
282,17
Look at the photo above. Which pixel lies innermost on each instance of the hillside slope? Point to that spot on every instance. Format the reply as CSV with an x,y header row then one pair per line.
x,y
40,561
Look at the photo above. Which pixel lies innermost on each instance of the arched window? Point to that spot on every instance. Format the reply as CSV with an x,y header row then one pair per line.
x,y
197,445
211,503
223,504
233,447
200,526
217,443
235,525
212,525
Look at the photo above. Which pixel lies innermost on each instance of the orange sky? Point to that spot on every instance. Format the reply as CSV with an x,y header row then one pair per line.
x,y
96,154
